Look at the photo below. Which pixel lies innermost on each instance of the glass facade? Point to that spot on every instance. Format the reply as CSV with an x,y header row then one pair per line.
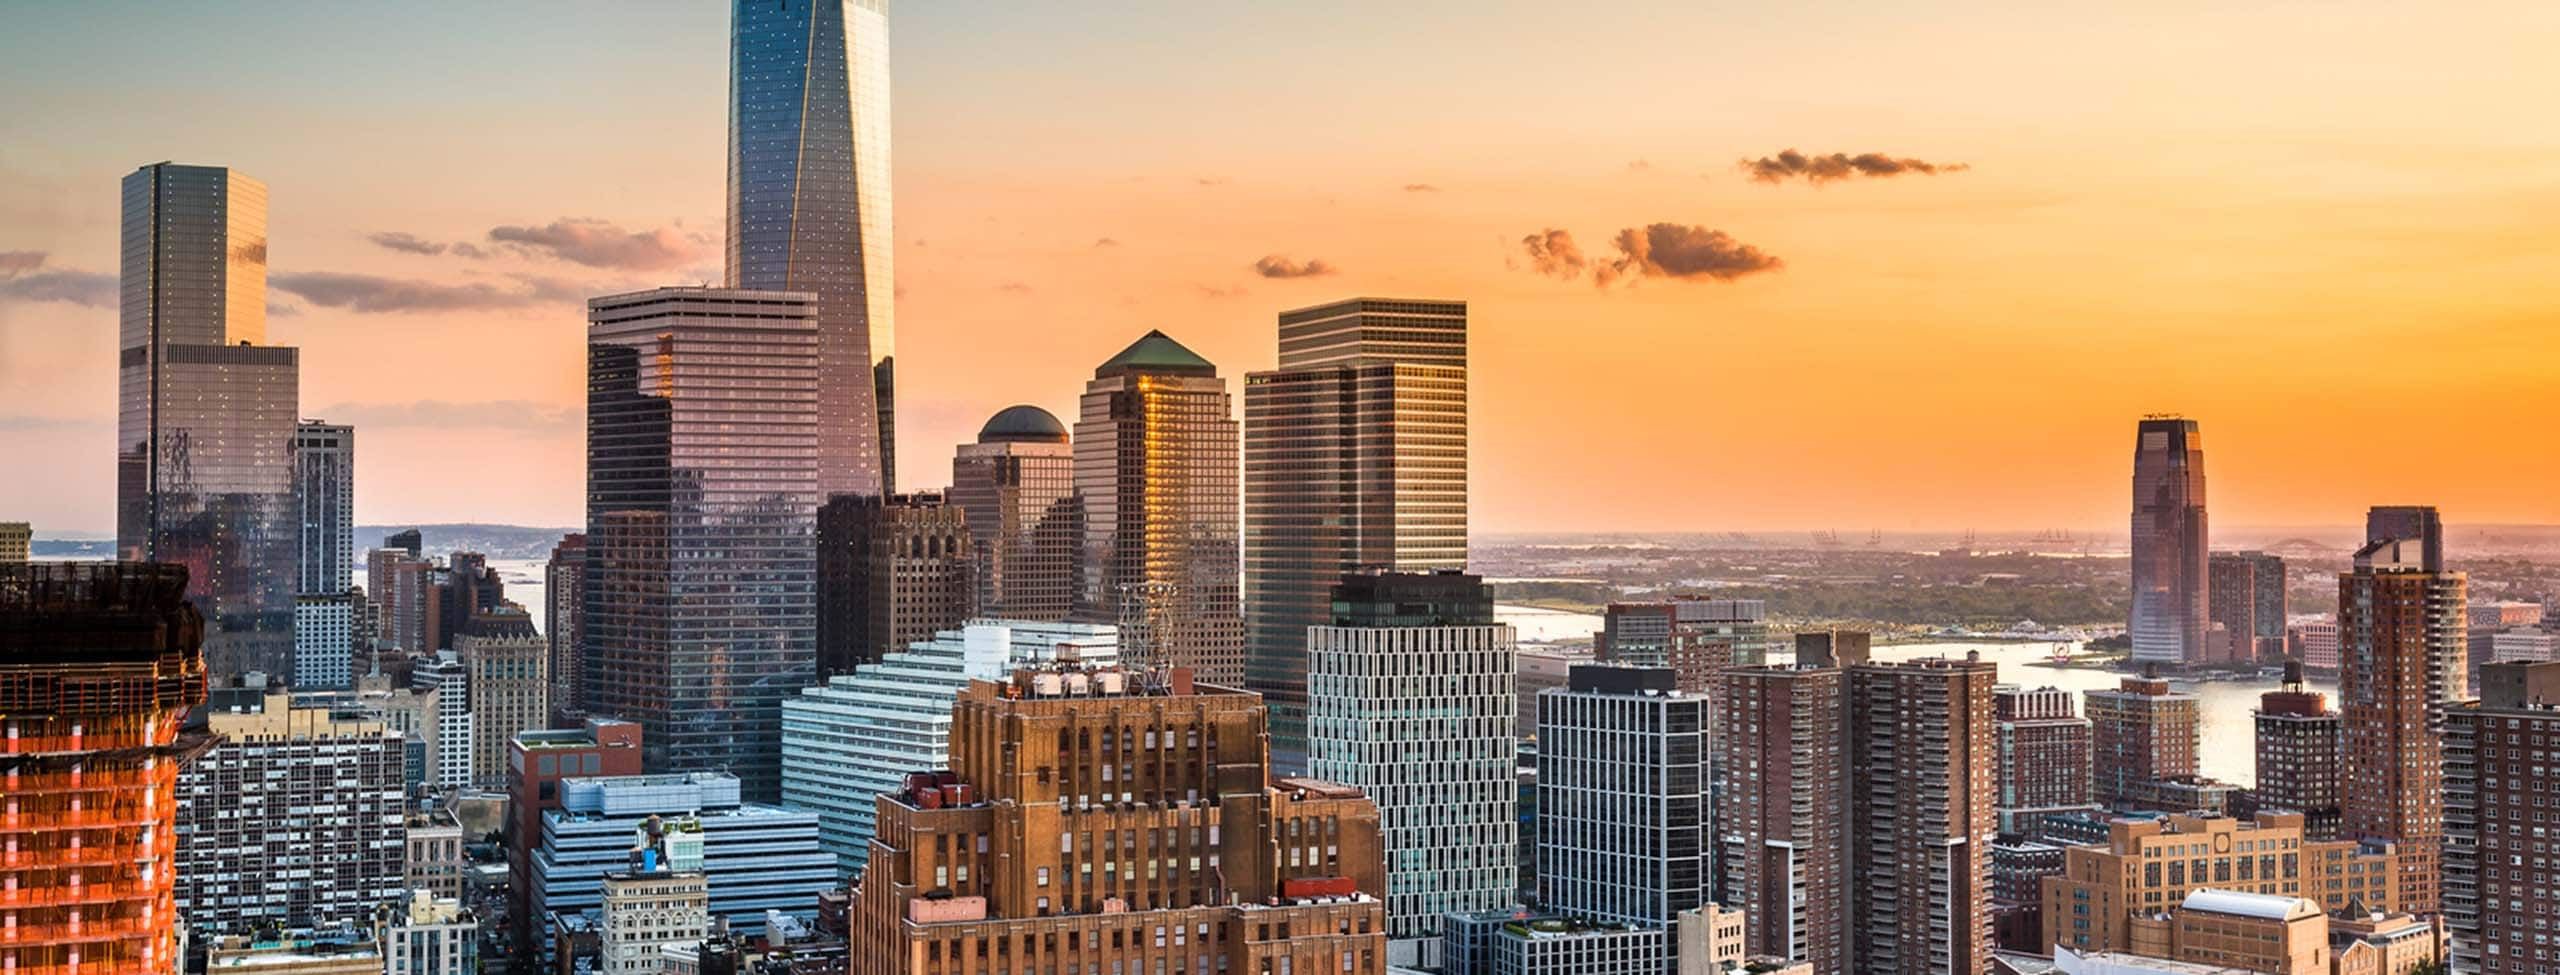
x,y
2170,605
1017,485
809,207
206,414
324,485
701,513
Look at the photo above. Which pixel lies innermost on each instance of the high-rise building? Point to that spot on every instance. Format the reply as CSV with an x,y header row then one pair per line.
x,y
1409,689
2139,733
2113,895
324,641
293,818
2402,649
1355,456
537,762
757,858
98,664
2298,761
1018,486
17,542
809,210
206,410
1623,798
1783,822
456,739
428,935
324,493
702,500
2171,611
401,585
2498,877
2044,757
891,570
564,593
1833,647
2315,643
1156,463
2249,606
1695,637
1921,818
856,736
1081,804
510,688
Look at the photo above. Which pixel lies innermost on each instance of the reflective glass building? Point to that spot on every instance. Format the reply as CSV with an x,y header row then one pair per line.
x,y
2171,611
809,206
324,485
1017,485
206,410
1355,456
702,500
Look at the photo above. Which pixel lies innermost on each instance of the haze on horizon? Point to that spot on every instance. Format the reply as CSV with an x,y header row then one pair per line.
x,y
2322,230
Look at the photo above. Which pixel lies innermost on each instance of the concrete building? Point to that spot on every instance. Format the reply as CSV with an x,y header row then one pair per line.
x,y
324,640
2139,733
1516,941
2171,610
2498,876
2224,932
400,583
537,762
891,571
1694,637
2315,643
428,935
510,688
456,738
1921,817
2402,649
1017,486
1410,700
324,494
2297,751
295,953
2249,607
2111,896
17,542
755,858
2044,752
294,817
660,900
432,860
1623,797
564,592
1783,822
1156,464
847,741
1086,810
1708,940
1355,456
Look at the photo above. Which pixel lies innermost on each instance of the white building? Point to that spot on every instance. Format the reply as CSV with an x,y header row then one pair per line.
x,y
324,641
847,741
646,912
756,858
450,679
1411,695
429,935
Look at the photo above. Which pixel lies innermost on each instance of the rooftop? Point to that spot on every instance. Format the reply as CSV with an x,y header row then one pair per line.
x,y
1024,424
1156,352
2243,904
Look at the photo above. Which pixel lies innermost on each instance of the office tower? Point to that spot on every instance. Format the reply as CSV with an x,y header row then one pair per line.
x,y
324,493
891,571
1018,486
1355,456
809,210
2170,607
402,584
1623,798
2249,606
537,761
1921,818
2315,644
2298,760
2139,733
324,641
721,517
1156,463
1082,801
2497,774
564,594
446,676
510,683
1410,700
1833,648
755,857
99,662
2401,666
1783,822
17,542
407,540
1542,668
856,736
428,935
2110,895
206,410
293,818
2044,749
1695,637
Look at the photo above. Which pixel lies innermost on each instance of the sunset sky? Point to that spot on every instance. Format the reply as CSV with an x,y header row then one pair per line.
x,y
2328,231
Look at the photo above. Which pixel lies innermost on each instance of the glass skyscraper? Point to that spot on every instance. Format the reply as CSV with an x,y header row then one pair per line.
x,y
702,502
809,207
206,410
2170,605
324,477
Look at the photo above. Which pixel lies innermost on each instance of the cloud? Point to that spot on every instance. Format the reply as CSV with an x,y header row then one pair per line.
x,y
1420,188
1839,165
406,243
369,293
1220,292
598,243
88,289
14,262
1661,250
1106,242
1014,288
508,414
281,310
1276,266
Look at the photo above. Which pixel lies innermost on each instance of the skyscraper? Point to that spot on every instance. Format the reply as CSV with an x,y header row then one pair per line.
x,y
324,493
891,571
2170,607
1921,817
510,688
2498,877
100,665
1783,824
2297,751
809,209
2249,606
1156,463
702,498
206,411
2139,733
564,589
1410,690
1355,456
2401,645
294,817
1695,637
1018,486
2044,757
1623,797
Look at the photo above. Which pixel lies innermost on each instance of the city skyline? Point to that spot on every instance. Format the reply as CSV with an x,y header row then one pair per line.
x,y
2139,252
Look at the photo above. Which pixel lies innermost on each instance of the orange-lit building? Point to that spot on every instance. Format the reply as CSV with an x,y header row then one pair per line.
x,y
2110,894
98,664
1113,821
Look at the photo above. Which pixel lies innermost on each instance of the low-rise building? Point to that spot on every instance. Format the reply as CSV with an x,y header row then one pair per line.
x,y
1517,941
755,857
2109,892
429,935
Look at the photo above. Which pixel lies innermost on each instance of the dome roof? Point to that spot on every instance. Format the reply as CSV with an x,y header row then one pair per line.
x,y
1023,424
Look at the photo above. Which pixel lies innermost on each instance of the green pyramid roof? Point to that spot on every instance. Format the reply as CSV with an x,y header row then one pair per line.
x,y
1158,353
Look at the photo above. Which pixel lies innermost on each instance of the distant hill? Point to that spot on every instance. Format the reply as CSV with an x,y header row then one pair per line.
x,y
494,541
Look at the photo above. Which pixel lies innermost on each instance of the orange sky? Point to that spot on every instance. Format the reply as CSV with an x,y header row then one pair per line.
x,y
2327,231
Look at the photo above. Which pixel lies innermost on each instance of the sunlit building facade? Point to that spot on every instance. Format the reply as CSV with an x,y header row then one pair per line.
x,y
2402,643
1017,484
2171,610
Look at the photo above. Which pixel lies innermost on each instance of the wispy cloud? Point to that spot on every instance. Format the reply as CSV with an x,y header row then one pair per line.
x,y
1220,292
1276,266
1106,242
13,262
1014,288
1838,166
598,243
1662,250
23,277
1420,188
370,293
509,414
